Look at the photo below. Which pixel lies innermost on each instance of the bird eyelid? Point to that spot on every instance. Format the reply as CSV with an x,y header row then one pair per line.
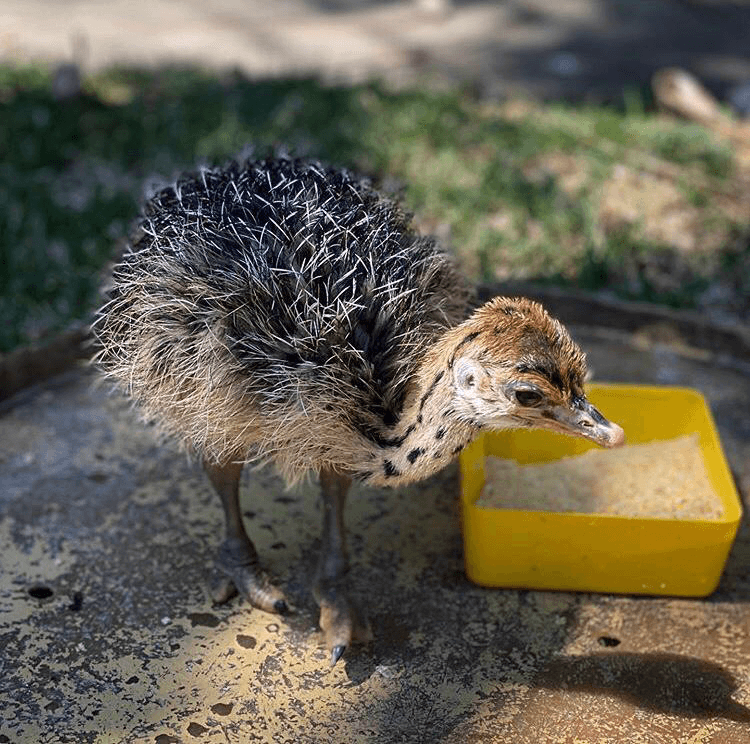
x,y
524,393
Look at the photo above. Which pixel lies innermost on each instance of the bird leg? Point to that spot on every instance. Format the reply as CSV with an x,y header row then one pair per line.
x,y
340,620
237,565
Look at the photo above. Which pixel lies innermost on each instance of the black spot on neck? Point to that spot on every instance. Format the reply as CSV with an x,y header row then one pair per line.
x,y
440,433
414,454
389,469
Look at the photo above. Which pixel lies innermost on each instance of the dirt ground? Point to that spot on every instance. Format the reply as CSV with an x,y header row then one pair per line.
x,y
108,634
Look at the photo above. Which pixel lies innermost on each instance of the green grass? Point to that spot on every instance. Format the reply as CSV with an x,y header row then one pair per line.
x,y
73,173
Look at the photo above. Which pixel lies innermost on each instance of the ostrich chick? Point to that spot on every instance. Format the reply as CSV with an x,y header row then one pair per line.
x,y
283,311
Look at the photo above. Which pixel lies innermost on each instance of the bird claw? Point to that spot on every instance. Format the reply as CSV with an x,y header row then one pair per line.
x,y
336,653
238,571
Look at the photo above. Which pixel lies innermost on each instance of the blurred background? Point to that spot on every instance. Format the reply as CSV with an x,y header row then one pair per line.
x,y
591,144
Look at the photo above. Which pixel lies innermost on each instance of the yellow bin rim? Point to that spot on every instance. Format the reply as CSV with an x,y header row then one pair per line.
x,y
602,552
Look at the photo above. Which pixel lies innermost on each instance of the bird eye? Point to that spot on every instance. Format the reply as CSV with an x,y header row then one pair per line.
x,y
528,397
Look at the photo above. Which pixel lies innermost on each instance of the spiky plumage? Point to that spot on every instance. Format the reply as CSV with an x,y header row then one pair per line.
x,y
276,310
284,311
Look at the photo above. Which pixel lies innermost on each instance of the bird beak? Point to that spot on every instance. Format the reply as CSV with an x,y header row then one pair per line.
x,y
582,419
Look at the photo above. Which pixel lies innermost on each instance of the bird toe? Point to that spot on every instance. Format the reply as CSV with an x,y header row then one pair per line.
x,y
221,588
341,623
239,572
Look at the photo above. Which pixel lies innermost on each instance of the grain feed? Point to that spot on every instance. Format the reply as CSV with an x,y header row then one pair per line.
x,y
665,478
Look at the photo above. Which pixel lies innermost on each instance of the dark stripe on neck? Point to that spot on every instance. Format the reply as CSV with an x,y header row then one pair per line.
x,y
465,340
386,442
431,389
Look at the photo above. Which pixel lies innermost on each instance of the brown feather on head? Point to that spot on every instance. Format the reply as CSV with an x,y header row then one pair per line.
x,y
514,365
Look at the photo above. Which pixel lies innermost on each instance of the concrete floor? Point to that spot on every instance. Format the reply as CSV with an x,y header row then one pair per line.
x,y
107,634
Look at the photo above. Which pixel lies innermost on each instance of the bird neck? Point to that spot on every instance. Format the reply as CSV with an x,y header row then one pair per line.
x,y
428,435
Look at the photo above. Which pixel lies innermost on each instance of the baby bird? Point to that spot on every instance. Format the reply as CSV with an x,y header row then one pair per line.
x,y
282,311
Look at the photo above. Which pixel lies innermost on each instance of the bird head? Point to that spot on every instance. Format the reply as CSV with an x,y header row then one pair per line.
x,y
515,366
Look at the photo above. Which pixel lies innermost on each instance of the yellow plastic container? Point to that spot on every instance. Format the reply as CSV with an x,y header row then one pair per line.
x,y
601,553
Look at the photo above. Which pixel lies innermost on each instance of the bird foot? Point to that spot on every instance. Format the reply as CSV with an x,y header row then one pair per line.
x,y
341,622
237,571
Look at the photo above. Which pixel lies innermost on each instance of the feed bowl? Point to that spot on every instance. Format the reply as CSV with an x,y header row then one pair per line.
x,y
601,552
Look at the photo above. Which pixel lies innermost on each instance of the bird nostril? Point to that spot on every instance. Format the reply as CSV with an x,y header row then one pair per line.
x,y
587,424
